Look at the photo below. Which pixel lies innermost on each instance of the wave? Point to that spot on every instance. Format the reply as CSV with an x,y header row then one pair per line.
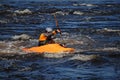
x,y
85,4
21,37
23,12
4,21
15,47
84,57
81,43
108,30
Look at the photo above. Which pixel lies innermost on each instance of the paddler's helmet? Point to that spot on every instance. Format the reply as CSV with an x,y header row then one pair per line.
x,y
48,29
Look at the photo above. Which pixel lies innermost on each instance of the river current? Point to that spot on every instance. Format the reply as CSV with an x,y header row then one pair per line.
x,y
92,27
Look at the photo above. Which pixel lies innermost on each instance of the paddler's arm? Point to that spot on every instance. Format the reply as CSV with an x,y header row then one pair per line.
x,y
52,33
56,31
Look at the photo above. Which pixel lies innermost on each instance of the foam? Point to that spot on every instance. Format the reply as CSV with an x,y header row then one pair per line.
x,y
25,11
58,55
83,57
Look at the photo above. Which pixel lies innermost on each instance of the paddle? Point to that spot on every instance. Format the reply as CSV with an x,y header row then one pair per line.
x,y
56,21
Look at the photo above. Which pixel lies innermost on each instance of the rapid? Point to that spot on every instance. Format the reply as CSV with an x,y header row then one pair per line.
x,y
91,27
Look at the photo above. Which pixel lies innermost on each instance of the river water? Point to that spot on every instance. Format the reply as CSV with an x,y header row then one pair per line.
x,y
92,27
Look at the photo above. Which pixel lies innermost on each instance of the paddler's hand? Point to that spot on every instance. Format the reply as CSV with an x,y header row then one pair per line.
x,y
58,30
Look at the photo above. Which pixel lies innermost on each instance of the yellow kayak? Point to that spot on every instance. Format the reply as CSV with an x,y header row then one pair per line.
x,y
49,48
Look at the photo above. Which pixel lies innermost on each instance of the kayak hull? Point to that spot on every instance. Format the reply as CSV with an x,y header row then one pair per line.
x,y
49,48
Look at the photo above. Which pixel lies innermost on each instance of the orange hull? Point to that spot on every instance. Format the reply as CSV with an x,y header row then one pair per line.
x,y
49,48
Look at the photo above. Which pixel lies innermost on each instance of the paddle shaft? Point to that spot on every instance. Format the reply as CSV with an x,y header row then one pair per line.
x,y
56,21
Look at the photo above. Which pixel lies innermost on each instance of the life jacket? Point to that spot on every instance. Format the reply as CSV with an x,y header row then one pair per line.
x,y
44,36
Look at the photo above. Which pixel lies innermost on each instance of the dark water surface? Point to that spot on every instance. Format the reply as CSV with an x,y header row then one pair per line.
x,y
92,27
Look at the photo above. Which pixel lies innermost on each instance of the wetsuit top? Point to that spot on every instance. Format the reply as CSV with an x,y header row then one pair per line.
x,y
46,36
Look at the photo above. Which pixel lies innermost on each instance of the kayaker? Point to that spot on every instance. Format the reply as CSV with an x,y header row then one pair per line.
x,y
47,36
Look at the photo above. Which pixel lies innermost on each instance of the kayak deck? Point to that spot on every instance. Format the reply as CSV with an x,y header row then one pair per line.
x,y
49,48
